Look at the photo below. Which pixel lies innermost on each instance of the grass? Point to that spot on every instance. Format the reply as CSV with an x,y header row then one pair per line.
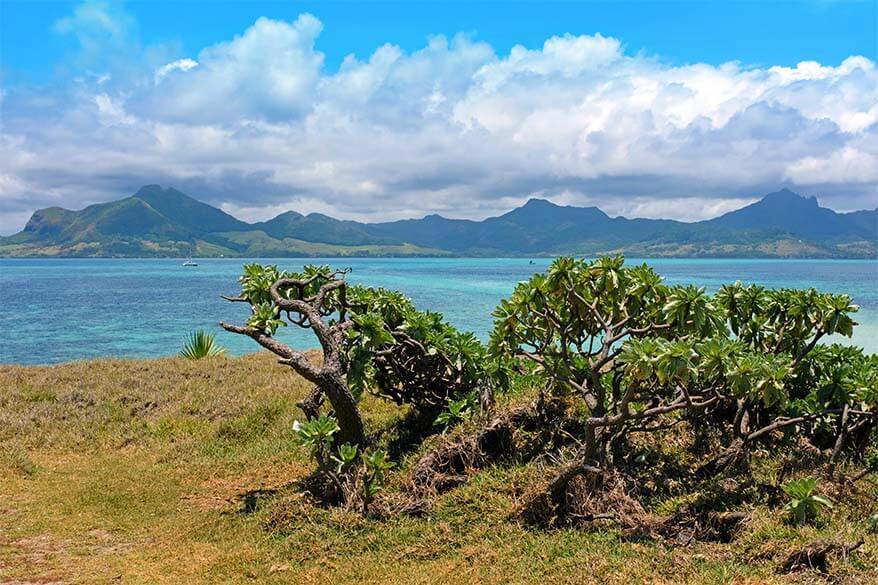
x,y
174,471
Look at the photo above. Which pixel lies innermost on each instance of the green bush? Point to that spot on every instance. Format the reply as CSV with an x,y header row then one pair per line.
x,y
635,349
804,504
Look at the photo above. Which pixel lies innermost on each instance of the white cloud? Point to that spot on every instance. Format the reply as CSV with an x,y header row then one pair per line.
x,y
259,125
842,165
178,65
112,111
271,70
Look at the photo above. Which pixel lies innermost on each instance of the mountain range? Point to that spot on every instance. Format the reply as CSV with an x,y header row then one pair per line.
x,y
158,221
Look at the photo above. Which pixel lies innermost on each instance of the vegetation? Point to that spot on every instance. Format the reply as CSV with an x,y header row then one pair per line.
x,y
200,344
615,429
804,504
640,355
371,339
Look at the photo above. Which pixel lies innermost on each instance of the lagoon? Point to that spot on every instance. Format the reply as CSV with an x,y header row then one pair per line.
x,y
58,310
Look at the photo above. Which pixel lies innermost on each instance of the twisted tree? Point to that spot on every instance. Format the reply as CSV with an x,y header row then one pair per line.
x,y
373,340
307,300
571,325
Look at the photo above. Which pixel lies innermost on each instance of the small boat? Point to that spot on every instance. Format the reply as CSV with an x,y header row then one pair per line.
x,y
189,262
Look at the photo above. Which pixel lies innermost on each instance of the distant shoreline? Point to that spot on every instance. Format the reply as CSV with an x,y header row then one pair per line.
x,y
445,257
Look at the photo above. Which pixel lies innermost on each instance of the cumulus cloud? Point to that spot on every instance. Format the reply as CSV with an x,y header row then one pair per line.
x,y
270,71
258,125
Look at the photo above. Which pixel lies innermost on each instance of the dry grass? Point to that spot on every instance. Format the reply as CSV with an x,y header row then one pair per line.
x,y
169,471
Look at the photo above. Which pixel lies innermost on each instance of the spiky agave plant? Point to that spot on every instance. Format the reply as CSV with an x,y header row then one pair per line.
x,y
200,344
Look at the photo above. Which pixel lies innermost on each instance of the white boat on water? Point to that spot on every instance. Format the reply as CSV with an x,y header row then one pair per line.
x,y
189,262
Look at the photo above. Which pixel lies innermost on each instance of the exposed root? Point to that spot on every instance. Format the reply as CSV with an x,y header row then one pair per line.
x,y
588,495
689,526
393,504
816,555
449,463
579,494
322,490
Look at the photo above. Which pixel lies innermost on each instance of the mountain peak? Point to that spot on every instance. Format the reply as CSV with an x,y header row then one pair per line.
x,y
537,203
183,210
543,210
785,196
150,192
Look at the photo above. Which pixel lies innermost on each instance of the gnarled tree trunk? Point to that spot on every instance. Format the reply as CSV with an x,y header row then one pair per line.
x,y
330,377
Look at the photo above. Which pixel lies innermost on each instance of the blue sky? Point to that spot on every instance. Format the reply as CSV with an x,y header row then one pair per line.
x,y
378,110
776,32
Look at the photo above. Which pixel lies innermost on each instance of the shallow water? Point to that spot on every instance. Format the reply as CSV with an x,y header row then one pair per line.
x,y
56,310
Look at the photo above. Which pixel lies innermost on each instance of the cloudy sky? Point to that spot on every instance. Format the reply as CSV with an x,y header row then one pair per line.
x,y
376,111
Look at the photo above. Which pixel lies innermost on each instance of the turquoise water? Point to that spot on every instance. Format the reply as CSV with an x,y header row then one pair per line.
x,y
56,310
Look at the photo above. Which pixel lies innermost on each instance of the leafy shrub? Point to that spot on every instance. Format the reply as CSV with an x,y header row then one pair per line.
x,y
375,467
633,350
317,435
356,474
410,356
804,505
456,412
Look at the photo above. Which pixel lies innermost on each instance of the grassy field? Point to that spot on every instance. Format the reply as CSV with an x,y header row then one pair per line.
x,y
169,471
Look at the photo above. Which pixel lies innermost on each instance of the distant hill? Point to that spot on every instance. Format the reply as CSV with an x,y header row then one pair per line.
x,y
158,221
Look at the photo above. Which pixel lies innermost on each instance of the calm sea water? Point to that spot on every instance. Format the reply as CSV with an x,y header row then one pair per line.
x,y
56,310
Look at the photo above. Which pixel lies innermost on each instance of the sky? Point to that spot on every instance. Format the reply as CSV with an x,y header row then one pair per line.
x,y
386,110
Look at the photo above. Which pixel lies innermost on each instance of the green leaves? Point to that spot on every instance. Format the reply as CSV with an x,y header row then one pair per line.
x,y
371,331
784,320
346,456
266,318
410,356
456,412
640,358
256,282
565,314
317,434
692,311
200,344
761,377
756,344
804,504
352,466
377,462
377,465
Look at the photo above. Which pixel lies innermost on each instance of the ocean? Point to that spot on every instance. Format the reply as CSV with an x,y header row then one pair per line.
x,y
58,310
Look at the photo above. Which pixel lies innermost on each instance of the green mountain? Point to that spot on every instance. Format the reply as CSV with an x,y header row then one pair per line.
x,y
158,221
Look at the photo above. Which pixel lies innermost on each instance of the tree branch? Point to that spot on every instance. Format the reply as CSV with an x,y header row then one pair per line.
x,y
289,356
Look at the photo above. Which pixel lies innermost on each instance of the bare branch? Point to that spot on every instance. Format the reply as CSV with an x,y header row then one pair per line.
x,y
237,299
289,356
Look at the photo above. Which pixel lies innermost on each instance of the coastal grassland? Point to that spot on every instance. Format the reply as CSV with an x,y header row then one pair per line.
x,y
175,471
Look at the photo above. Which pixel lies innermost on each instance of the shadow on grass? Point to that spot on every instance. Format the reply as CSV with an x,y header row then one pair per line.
x,y
251,500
